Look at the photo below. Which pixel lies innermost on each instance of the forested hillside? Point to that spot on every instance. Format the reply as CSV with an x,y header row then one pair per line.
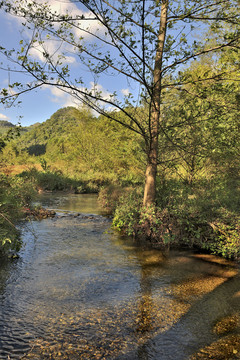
x,y
5,125
63,121
78,144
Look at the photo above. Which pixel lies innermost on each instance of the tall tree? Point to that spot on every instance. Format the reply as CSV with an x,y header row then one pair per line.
x,y
142,41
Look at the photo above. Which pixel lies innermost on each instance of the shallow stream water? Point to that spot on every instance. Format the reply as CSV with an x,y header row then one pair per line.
x,y
81,291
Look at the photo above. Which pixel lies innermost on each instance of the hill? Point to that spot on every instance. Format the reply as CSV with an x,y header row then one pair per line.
x,y
61,123
5,126
77,144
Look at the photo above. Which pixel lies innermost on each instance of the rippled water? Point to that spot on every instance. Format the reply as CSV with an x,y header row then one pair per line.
x,y
81,291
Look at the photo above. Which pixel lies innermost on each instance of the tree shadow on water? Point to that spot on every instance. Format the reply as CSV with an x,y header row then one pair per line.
x,y
209,329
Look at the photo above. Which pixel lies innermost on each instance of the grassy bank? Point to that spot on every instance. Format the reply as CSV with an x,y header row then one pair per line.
x,y
15,195
202,216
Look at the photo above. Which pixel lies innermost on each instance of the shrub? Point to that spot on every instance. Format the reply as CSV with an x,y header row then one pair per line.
x,y
127,211
48,180
14,194
55,180
199,216
109,197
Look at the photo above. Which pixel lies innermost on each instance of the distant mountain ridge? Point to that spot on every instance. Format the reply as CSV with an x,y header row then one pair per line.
x,y
5,123
5,127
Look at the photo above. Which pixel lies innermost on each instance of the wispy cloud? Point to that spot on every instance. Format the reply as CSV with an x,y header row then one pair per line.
x,y
61,97
88,19
57,95
71,101
4,117
98,88
55,47
125,92
57,92
64,99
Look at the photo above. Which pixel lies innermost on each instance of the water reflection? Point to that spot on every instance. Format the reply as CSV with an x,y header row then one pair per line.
x,y
79,292
84,203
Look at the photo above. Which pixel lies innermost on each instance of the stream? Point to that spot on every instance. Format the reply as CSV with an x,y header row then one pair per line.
x,y
79,290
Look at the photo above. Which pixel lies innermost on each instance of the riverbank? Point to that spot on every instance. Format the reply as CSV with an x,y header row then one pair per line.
x,y
203,216
15,195
200,217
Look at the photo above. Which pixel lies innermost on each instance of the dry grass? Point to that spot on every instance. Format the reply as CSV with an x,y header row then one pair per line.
x,y
17,169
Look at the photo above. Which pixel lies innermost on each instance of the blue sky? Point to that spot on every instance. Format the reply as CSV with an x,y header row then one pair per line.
x,y
38,106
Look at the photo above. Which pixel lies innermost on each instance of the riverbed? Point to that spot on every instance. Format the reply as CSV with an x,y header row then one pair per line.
x,y
80,290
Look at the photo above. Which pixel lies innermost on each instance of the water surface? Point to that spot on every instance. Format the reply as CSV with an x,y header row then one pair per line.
x,y
81,291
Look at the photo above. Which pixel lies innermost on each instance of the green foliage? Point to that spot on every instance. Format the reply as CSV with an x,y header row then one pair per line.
x,y
198,128
127,212
38,149
199,169
201,122
204,216
2,144
142,43
80,146
54,180
44,165
5,126
14,195
228,239
109,196
147,224
47,180
201,212
36,138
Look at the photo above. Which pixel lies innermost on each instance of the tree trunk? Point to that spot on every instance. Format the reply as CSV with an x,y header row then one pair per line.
x,y
151,171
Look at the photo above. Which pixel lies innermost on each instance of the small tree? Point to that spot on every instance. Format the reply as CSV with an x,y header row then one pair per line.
x,y
142,41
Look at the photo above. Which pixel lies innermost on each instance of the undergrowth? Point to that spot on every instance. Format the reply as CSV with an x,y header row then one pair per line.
x,y
55,180
204,216
15,193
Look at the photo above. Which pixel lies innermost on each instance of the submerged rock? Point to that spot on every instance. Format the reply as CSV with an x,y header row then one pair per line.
x,y
39,213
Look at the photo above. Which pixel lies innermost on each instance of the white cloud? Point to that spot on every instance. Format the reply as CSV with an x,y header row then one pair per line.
x,y
54,49
50,45
57,92
125,92
61,8
71,101
65,99
94,88
71,8
98,88
57,95
4,117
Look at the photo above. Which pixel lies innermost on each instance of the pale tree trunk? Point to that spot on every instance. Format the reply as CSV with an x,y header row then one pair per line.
x,y
151,171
